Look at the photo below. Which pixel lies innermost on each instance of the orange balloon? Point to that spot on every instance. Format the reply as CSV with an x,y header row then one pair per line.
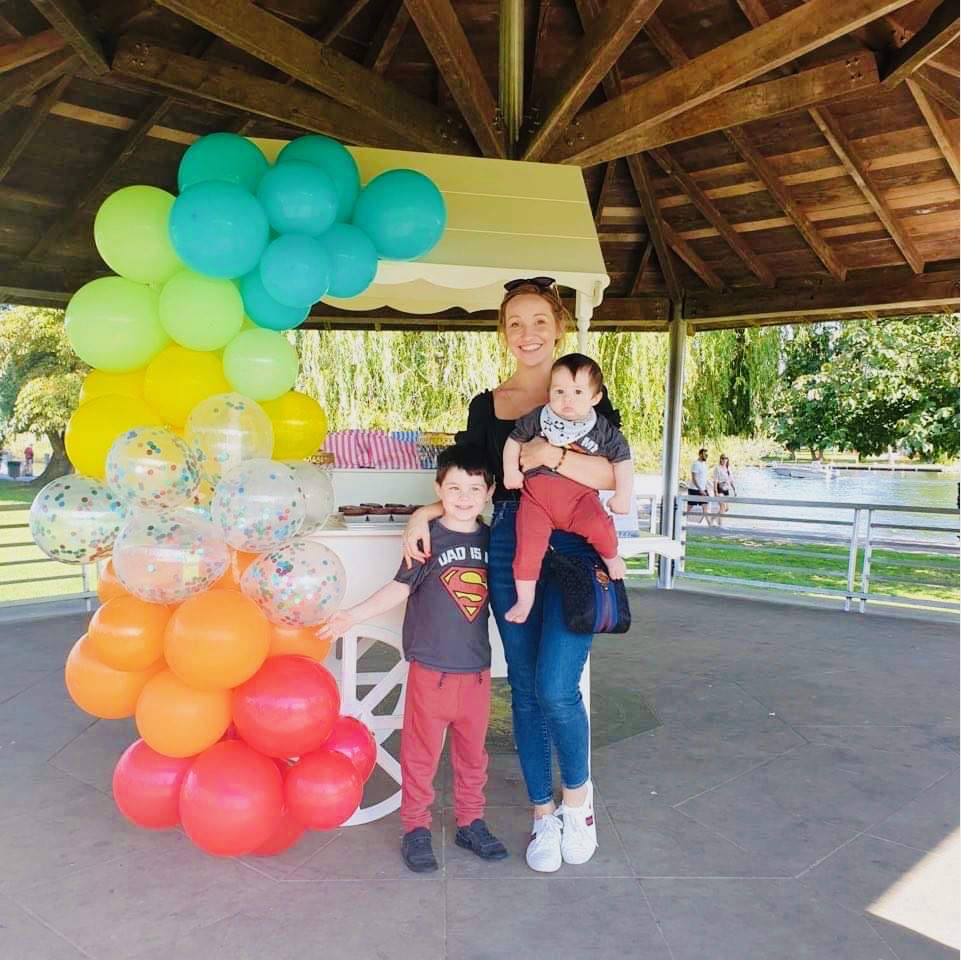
x,y
239,561
299,641
177,720
217,639
100,690
127,633
108,586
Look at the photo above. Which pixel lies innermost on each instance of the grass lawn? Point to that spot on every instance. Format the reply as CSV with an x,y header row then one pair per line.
x,y
894,573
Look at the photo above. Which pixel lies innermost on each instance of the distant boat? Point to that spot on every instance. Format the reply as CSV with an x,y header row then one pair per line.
x,y
804,471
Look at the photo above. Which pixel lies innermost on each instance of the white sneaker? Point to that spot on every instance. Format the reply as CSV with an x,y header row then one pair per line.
x,y
579,839
544,850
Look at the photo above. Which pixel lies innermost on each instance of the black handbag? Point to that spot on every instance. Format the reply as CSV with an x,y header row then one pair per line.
x,y
591,600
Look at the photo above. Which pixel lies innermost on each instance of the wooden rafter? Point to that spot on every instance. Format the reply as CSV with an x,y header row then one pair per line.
x,y
68,18
606,182
638,282
937,122
23,81
942,88
690,188
448,44
537,55
390,32
13,147
654,220
942,27
343,21
606,37
21,52
683,249
732,64
318,65
233,87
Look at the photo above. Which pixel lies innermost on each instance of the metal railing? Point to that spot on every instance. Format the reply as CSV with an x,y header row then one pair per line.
x,y
857,548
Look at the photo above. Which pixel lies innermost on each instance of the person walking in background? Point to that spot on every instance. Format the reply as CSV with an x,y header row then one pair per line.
x,y
28,462
723,481
698,484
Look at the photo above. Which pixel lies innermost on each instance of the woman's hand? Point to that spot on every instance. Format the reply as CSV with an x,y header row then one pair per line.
x,y
539,453
417,534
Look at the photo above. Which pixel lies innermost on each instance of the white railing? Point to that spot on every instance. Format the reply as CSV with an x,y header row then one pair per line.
x,y
862,528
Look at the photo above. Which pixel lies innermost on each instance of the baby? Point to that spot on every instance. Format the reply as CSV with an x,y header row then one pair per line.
x,y
553,502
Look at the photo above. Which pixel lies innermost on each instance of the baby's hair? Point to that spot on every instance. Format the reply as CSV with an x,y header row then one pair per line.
x,y
575,363
466,457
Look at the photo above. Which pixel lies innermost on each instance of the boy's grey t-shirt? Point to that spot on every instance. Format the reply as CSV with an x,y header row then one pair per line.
x,y
445,626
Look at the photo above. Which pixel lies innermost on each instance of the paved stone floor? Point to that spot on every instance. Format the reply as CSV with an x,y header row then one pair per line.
x,y
764,774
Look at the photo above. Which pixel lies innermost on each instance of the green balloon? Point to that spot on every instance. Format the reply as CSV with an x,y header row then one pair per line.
x,y
261,364
201,313
131,233
113,324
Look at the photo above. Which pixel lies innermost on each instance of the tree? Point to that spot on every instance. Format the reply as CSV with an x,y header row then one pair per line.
x,y
867,386
40,378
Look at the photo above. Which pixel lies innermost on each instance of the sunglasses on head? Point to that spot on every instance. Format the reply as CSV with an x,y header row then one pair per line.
x,y
542,283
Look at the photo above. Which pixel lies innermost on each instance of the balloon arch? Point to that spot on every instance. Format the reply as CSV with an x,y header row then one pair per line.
x,y
189,444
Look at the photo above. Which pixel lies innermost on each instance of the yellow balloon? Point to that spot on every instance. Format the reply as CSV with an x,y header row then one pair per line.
x,y
94,426
177,379
300,425
100,383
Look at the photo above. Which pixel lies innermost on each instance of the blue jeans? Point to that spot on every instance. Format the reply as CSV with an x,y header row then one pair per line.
x,y
544,664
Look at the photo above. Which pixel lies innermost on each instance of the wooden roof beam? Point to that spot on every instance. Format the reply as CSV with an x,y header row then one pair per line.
x,y
939,86
233,87
390,32
638,282
69,19
942,27
606,181
24,81
655,222
607,36
448,44
600,133
937,122
342,22
319,66
683,249
12,148
21,52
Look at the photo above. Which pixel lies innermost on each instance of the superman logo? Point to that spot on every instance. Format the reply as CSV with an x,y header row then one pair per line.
x,y
468,589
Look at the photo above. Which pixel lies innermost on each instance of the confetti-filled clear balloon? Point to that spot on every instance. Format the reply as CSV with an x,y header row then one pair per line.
x,y
301,584
318,489
167,557
226,430
199,504
152,467
259,505
76,519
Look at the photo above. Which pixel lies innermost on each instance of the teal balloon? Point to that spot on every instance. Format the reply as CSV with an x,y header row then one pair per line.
x,y
222,156
298,197
295,270
353,260
335,160
264,310
403,212
218,229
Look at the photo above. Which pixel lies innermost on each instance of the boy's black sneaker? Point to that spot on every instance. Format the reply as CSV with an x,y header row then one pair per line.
x,y
418,851
479,840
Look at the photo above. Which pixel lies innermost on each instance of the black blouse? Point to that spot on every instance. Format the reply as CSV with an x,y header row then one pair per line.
x,y
487,431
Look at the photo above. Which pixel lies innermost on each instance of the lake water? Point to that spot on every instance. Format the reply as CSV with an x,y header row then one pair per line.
x,y
854,487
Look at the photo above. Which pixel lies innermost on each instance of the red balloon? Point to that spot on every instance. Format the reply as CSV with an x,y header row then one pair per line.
x,y
287,708
146,786
323,789
231,800
351,738
289,830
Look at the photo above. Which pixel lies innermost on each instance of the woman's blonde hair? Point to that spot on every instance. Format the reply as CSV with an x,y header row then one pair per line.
x,y
562,316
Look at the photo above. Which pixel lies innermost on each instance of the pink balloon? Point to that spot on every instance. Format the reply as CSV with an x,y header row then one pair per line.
x,y
146,786
323,789
232,799
351,738
287,708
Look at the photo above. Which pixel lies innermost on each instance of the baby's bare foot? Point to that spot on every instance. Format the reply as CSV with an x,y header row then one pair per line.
x,y
616,567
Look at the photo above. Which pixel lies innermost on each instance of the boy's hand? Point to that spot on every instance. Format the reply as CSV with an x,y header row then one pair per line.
x,y
619,503
513,479
337,625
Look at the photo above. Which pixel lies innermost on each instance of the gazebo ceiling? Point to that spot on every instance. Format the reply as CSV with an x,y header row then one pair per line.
x,y
756,161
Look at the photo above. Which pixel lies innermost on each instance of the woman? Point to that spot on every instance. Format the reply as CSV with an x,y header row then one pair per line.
x,y
544,658
723,481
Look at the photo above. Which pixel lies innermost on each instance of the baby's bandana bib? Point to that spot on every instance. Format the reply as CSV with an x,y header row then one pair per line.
x,y
561,432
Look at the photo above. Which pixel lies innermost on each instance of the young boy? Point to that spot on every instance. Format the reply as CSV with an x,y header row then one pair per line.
x,y
553,502
446,642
